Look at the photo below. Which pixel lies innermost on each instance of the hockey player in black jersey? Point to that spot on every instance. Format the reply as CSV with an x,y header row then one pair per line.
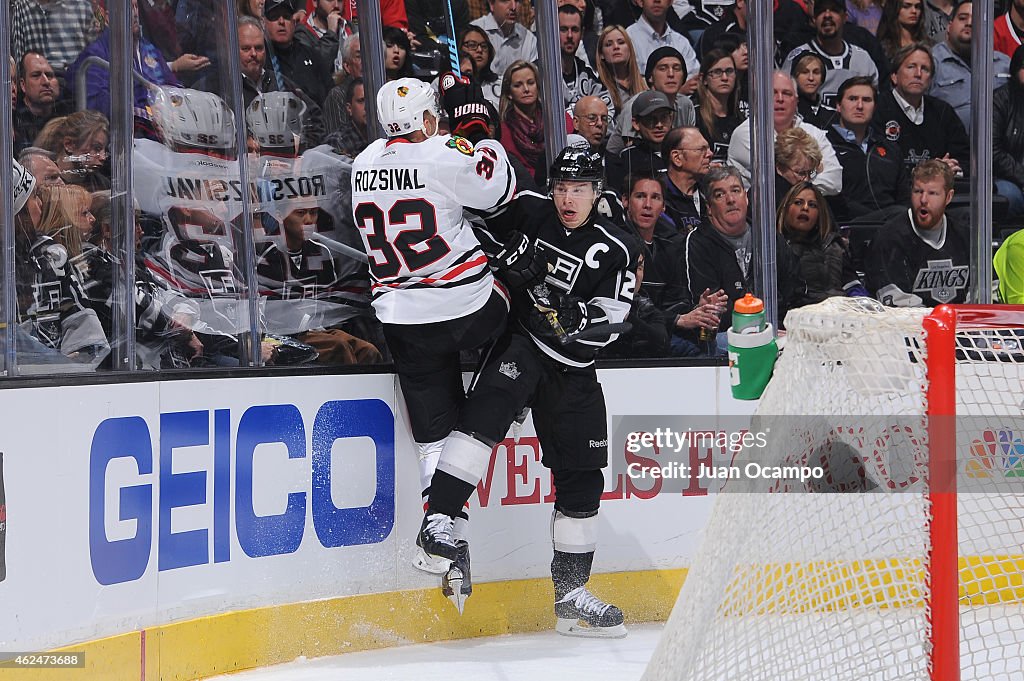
x,y
922,256
545,361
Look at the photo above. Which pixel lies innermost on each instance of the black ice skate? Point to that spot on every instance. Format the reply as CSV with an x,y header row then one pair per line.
x,y
457,583
437,548
581,613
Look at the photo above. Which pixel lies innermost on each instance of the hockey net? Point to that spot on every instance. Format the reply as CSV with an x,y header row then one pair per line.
x,y
904,562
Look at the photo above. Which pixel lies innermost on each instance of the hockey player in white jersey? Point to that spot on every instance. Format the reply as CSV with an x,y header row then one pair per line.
x,y
431,282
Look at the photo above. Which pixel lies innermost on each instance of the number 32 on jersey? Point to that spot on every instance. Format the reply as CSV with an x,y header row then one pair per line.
x,y
414,248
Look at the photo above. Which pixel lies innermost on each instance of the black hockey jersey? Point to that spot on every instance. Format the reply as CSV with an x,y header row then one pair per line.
x,y
595,262
901,265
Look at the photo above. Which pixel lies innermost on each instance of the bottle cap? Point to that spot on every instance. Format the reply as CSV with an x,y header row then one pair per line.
x,y
748,304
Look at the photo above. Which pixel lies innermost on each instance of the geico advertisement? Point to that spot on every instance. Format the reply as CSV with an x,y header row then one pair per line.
x,y
139,476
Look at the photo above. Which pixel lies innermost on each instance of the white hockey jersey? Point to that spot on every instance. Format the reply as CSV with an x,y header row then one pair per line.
x,y
426,264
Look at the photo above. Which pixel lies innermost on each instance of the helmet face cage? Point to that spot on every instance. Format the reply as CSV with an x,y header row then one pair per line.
x,y
193,118
577,165
276,120
401,104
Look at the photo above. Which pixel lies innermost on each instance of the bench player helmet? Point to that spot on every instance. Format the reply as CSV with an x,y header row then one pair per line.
x,y
276,120
401,104
576,164
191,118
24,183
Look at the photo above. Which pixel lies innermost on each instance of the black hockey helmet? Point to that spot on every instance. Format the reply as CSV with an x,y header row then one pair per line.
x,y
578,165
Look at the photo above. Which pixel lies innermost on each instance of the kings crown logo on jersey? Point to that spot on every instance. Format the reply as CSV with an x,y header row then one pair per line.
x,y
942,280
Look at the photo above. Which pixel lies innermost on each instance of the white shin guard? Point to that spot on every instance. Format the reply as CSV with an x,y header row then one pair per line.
x,y
573,535
464,457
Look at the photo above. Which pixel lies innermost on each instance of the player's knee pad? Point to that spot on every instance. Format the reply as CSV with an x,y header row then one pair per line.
x,y
429,454
465,456
578,493
573,534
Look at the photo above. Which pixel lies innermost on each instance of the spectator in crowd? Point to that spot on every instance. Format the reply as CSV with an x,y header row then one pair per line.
x,y
14,86
824,260
289,57
40,163
57,30
40,98
250,8
1009,30
578,79
952,80
197,27
736,45
334,108
392,13
924,127
322,28
720,252
397,57
937,15
511,41
66,218
665,73
590,119
809,71
79,142
733,21
865,13
257,79
350,139
718,110
652,119
844,59
522,123
688,157
428,20
829,178
149,63
902,24
617,66
922,256
665,322
1008,136
651,32
874,179
57,328
475,43
797,159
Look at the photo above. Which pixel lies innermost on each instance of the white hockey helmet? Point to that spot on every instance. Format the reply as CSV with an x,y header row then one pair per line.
x,y
401,104
192,118
24,183
275,119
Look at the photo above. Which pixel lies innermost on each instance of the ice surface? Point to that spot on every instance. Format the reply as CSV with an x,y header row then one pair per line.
x,y
543,656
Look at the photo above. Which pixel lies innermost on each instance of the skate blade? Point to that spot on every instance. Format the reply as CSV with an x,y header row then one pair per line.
x,y
580,629
451,587
435,565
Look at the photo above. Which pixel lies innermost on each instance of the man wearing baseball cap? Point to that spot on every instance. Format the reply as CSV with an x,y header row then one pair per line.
x,y
290,58
653,117
842,60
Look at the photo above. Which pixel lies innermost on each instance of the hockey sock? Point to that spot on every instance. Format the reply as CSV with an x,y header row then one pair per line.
x,y
449,494
570,571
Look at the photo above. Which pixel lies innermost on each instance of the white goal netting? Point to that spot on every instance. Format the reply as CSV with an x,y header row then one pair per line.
x,y
829,579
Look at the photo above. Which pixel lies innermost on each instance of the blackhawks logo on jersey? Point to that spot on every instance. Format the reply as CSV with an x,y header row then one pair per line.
x,y
461,144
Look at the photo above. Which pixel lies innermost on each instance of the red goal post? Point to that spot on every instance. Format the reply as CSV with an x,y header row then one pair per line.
x,y
918,577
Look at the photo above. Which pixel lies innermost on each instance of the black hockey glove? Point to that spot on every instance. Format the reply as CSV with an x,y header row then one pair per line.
x,y
519,263
555,315
464,103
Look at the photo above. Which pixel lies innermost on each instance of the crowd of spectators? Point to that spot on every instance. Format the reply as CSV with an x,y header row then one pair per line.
x,y
871,112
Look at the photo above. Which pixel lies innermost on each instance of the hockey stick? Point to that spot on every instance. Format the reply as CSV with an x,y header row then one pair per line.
x,y
453,51
340,248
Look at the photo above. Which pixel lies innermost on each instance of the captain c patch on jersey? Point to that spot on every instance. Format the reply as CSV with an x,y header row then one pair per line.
x,y
942,280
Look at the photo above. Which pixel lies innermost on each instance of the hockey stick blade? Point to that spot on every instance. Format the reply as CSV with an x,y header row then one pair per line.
x,y
599,331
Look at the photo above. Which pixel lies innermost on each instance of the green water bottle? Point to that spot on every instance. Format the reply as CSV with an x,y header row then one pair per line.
x,y
748,315
752,349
